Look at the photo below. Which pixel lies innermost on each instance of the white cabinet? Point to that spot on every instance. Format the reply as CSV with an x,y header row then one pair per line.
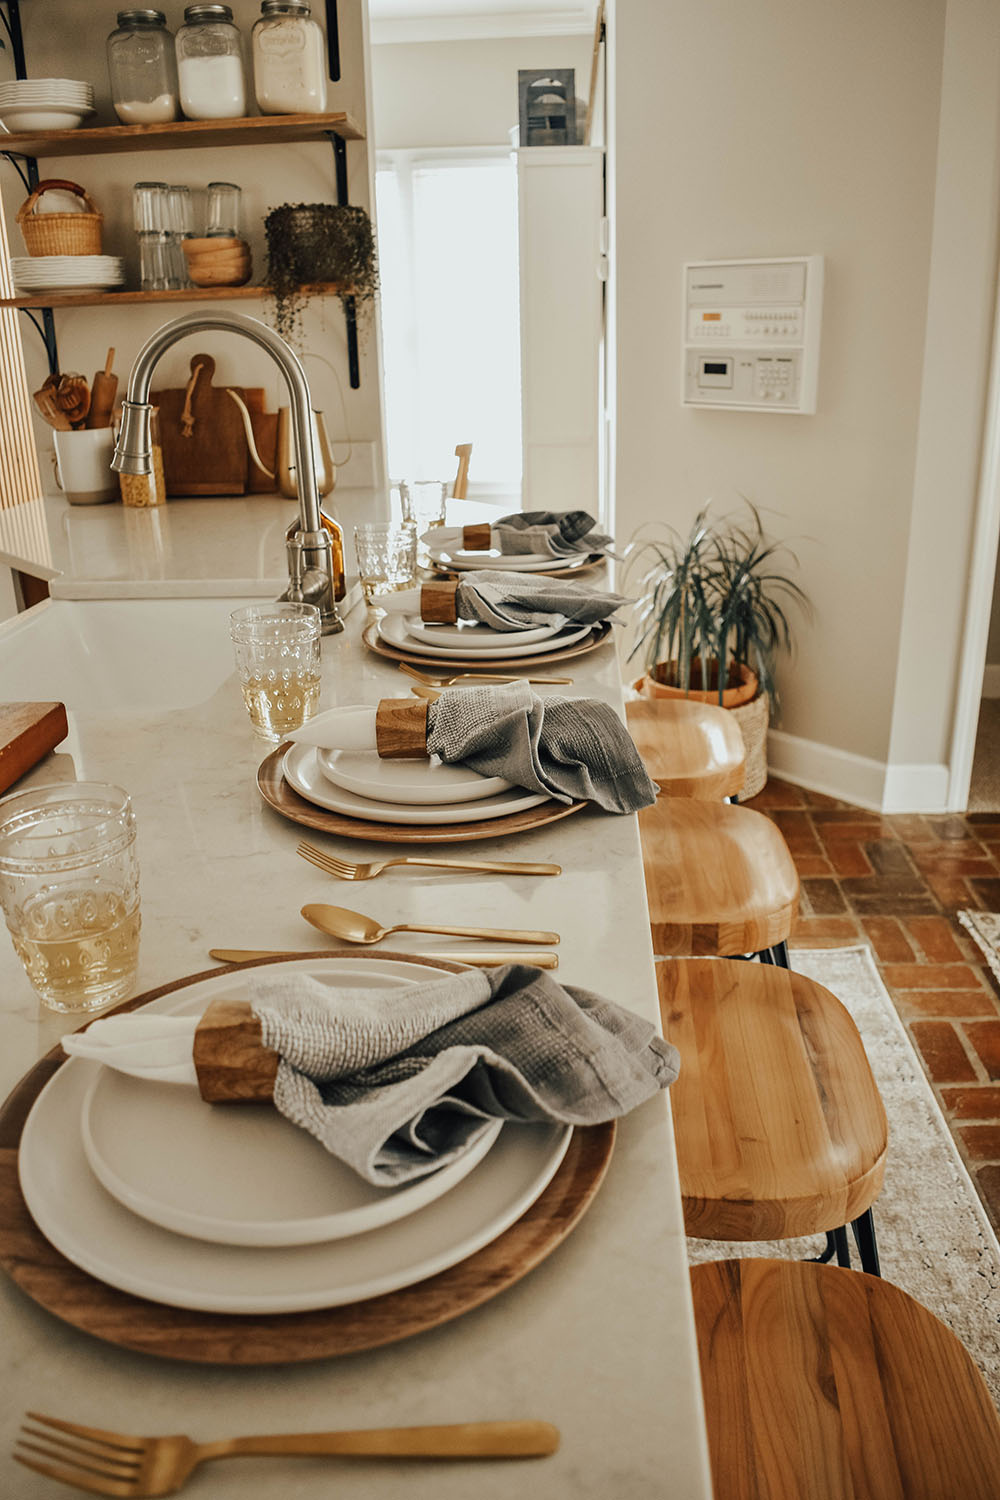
x,y
560,211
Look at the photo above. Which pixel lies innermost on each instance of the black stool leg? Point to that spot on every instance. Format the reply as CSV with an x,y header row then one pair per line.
x,y
864,1235
843,1247
766,956
829,1252
780,951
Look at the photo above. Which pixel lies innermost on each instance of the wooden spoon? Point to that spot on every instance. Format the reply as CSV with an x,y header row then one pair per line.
x,y
52,414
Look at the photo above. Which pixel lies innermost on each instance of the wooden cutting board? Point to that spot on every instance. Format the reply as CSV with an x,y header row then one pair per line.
x,y
27,732
204,444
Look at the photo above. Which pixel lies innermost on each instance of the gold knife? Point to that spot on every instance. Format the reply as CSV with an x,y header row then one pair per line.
x,y
486,960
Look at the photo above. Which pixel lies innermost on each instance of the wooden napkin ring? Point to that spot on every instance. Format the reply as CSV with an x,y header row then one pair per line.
x,y
231,1061
401,728
477,538
437,603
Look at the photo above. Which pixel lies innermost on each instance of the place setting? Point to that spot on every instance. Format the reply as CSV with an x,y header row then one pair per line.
x,y
423,1133
557,542
491,620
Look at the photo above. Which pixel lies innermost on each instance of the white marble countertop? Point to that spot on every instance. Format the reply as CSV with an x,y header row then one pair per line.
x,y
599,1338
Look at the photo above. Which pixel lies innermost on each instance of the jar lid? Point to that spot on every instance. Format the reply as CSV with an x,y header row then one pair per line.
x,y
208,13
285,8
142,17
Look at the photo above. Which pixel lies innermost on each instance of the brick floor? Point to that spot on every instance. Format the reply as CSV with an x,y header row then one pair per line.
x,y
897,882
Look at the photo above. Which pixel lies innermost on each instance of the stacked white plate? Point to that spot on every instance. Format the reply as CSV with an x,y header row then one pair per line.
x,y
67,273
417,793
145,1187
444,547
444,643
45,104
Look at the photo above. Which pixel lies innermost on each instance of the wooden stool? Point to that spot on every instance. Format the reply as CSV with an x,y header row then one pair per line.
x,y
823,1384
690,749
719,880
779,1124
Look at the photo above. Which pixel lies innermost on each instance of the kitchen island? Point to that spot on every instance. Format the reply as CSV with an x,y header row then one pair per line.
x,y
597,1339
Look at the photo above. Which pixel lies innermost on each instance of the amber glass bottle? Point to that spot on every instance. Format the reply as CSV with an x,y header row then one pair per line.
x,y
337,559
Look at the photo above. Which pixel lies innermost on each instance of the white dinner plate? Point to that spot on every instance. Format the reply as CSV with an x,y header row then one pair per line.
x,y
183,1164
504,562
392,628
96,1233
473,637
418,782
302,771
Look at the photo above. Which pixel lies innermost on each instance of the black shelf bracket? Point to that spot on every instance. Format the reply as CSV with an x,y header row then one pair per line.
x,y
332,41
350,306
27,169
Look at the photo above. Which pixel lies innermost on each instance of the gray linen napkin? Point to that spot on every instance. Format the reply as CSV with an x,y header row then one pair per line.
x,y
569,748
559,532
397,1083
516,601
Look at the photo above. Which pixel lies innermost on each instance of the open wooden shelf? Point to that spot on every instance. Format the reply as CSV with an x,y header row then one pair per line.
x,y
186,294
258,130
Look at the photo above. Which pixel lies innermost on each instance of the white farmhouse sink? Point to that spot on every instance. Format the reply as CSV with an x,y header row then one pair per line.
x,y
118,654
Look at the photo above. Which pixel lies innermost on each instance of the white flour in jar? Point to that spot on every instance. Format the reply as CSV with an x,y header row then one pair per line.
x,y
147,111
289,66
212,88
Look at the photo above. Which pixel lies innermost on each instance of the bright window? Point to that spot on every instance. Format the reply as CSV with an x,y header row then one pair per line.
x,y
448,254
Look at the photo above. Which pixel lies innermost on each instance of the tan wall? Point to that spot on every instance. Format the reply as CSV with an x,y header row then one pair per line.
x,y
462,93
66,38
768,130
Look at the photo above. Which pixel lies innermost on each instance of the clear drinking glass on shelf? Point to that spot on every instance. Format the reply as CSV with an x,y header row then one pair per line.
x,y
180,226
387,557
277,649
151,218
69,884
222,211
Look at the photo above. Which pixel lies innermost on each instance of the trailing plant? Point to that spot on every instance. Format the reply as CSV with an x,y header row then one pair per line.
x,y
720,594
309,243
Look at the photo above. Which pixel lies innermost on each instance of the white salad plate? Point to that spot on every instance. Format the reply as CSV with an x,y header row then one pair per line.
x,y
417,782
94,1231
393,630
239,1176
301,769
503,562
473,637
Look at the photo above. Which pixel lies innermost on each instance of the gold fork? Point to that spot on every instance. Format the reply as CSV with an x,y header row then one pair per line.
x,y
474,677
113,1463
344,870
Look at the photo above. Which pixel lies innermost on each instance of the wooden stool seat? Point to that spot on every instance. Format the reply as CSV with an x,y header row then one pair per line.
x,y
779,1125
824,1384
689,749
719,878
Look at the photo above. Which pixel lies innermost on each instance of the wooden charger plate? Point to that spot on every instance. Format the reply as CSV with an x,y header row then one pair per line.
x,y
79,1299
593,560
285,800
441,666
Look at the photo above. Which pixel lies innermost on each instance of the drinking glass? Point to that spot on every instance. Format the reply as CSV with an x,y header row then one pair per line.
x,y
423,501
277,649
387,557
223,211
69,884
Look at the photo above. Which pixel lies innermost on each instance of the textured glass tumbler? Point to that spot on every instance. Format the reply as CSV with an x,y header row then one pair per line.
x,y
277,649
387,557
69,883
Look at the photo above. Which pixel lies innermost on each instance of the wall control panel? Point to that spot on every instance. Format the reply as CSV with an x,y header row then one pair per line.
x,y
751,333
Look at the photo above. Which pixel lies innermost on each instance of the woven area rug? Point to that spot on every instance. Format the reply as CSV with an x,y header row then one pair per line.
x,y
985,928
935,1240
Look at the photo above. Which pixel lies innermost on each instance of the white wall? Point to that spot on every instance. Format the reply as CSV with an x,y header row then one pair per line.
x,y
66,38
783,128
462,93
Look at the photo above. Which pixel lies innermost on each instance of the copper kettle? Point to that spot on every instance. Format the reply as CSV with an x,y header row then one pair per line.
x,y
284,457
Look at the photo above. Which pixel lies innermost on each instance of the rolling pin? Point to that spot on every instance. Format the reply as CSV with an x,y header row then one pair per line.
x,y
102,395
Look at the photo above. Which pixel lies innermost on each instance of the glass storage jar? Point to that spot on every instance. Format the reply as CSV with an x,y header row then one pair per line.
x,y
210,64
142,68
289,59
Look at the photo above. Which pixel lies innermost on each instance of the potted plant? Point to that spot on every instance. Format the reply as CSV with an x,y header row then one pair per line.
x,y
711,619
309,243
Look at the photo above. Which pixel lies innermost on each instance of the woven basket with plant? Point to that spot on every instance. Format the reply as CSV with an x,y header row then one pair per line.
x,y
318,243
60,233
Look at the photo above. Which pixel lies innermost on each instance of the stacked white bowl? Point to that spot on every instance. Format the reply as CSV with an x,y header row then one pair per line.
x,y
45,104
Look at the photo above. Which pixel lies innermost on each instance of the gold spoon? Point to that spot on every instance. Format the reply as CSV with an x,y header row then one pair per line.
x,y
353,927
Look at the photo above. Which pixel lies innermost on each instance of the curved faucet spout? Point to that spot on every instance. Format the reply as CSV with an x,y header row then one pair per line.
x,y
309,549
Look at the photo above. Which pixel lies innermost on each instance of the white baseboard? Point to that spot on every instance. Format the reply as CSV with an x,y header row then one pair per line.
x,y
856,778
991,680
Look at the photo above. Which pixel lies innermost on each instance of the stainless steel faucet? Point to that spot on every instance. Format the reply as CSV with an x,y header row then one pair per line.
x,y
310,557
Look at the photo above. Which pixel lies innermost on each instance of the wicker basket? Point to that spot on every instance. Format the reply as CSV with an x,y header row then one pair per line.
x,y
60,234
753,720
